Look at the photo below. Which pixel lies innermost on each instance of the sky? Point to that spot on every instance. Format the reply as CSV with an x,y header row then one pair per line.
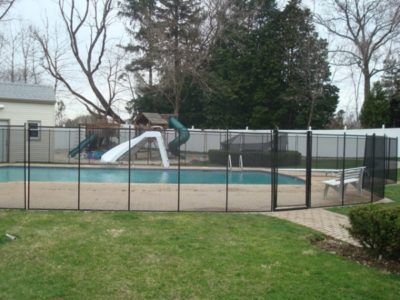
x,y
37,11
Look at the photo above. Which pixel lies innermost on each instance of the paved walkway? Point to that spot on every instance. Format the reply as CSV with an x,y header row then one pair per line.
x,y
329,223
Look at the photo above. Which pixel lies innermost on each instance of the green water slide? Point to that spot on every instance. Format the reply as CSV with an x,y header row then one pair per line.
x,y
183,135
82,145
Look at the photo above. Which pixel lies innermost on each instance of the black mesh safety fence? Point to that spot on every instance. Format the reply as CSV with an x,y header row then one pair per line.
x,y
353,172
391,160
327,157
53,169
122,168
249,171
154,177
13,169
203,171
290,161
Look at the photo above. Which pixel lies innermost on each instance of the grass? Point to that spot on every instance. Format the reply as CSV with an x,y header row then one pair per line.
x,y
99,255
392,192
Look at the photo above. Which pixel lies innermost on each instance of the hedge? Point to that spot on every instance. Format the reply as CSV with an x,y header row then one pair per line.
x,y
377,229
255,158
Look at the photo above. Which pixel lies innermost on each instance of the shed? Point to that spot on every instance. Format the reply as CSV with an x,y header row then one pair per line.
x,y
33,105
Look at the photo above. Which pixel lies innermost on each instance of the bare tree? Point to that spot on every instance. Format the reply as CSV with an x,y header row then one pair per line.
x,y
20,61
88,22
368,28
5,6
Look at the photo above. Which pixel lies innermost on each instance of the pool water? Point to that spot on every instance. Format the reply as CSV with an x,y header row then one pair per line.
x,y
57,174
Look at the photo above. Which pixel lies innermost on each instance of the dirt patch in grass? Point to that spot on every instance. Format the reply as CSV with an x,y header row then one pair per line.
x,y
358,255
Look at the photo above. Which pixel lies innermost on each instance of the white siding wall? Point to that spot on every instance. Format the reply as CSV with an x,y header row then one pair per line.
x,y
42,150
20,113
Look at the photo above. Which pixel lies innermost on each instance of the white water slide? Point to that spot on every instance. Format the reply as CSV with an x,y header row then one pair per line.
x,y
113,154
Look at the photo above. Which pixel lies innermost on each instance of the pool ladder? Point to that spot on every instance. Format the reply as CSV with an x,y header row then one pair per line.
x,y
240,162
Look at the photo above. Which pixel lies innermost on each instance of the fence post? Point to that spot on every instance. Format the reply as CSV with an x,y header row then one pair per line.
x,y
396,156
29,167
49,154
79,167
25,191
308,168
316,152
357,151
384,165
69,144
179,171
373,168
227,170
274,164
343,167
337,152
129,168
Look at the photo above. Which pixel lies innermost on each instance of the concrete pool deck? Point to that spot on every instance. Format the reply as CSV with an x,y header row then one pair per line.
x,y
164,197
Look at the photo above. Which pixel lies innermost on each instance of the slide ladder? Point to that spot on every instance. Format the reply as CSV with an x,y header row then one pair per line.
x,y
115,153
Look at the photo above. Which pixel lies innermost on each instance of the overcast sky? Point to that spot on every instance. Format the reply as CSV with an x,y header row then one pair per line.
x,y
36,12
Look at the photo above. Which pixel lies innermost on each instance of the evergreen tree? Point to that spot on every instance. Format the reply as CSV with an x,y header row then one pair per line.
x,y
375,110
143,30
272,71
170,39
391,84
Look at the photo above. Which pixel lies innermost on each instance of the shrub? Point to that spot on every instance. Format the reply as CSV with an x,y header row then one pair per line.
x,y
255,158
377,229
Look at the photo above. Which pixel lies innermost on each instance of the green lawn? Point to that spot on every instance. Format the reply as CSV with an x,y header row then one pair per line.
x,y
121,255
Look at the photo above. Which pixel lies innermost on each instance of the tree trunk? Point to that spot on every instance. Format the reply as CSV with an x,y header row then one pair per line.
x,y
150,76
367,82
311,112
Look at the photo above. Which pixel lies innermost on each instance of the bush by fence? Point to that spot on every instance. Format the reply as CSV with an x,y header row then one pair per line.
x,y
255,158
377,229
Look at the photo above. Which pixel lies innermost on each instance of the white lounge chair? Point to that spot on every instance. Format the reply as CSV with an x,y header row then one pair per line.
x,y
353,176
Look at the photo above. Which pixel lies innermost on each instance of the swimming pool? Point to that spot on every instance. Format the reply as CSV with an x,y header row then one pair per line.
x,y
60,174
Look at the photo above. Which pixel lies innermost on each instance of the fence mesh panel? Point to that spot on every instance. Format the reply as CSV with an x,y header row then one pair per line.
x,y
52,184
353,172
291,168
205,188
391,160
249,172
327,162
12,171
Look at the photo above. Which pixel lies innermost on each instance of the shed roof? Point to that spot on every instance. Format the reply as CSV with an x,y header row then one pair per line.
x,y
154,118
27,93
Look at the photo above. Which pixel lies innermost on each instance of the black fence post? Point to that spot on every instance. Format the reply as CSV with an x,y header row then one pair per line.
x,y
373,168
79,167
69,144
129,168
337,152
396,156
343,167
179,171
308,168
29,167
274,165
316,154
227,170
49,150
385,177
357,151
25,191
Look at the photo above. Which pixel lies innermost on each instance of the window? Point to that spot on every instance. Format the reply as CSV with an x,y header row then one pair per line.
x,y
34,130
